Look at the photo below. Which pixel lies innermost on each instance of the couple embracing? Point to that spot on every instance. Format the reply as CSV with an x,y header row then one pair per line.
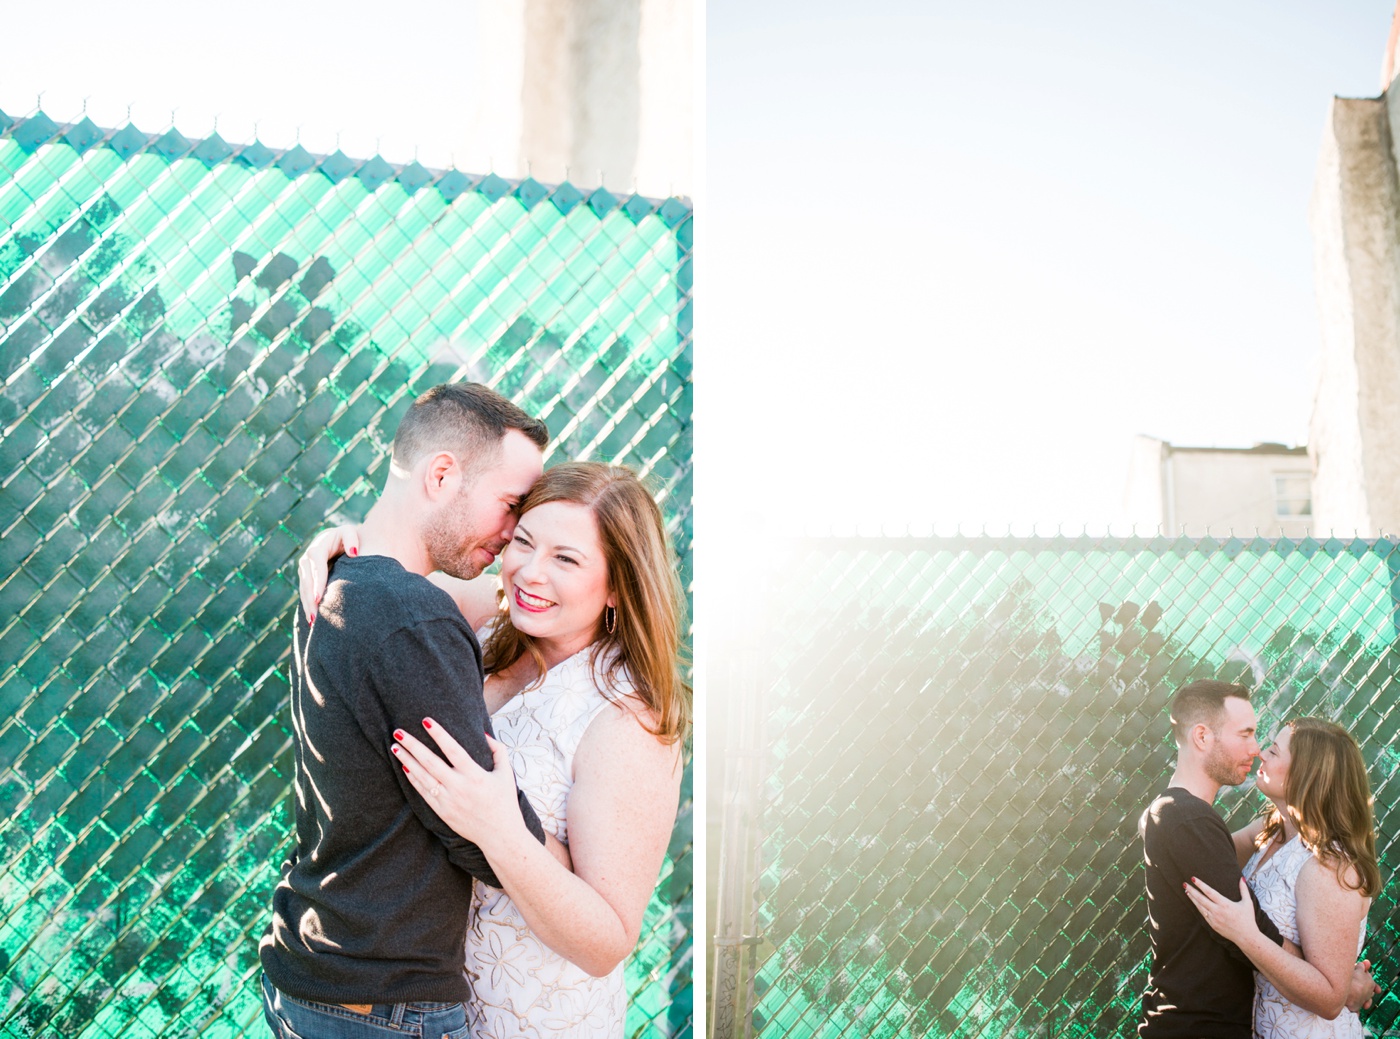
x,y
443,884
1269,951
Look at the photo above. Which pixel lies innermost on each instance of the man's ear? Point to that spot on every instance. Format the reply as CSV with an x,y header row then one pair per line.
x,y
440,476
1200,735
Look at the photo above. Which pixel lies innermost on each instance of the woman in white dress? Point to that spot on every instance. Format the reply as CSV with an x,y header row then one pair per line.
x,y
589,708
1311,859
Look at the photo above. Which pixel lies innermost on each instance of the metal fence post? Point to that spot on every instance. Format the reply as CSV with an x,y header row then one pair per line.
x,y
731,1009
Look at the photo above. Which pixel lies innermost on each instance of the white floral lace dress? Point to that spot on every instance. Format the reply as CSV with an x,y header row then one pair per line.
x,y
1274,1016
521,989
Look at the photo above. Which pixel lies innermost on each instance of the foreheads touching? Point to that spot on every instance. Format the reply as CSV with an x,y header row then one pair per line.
x,y
464,458
1207,702
467,420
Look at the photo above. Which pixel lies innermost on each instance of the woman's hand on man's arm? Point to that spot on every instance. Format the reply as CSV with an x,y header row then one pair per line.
x,y
1329,924
621,810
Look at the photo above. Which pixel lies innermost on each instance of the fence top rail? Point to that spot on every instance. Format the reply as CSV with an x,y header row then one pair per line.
x,y
1383,546
35,130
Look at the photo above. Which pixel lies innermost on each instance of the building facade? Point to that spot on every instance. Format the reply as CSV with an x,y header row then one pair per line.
x,y
1261,490
1354,439
595,92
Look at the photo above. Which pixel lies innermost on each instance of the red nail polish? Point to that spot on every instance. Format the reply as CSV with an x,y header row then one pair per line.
x,y
311,620
354,551
394,749
398,734
405,770
427,724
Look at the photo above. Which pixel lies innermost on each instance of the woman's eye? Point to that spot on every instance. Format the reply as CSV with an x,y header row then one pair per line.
x,y
520,541
566,559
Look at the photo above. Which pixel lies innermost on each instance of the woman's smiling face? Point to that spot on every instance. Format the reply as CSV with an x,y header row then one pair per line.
x,y
556,577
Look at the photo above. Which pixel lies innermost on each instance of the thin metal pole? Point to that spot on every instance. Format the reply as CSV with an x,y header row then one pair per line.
x,y
740,845
739,798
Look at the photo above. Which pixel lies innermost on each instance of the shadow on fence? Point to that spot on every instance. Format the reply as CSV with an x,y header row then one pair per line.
x,y
947,748
204,350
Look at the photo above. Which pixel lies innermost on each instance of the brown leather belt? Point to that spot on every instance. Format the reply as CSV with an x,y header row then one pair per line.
x,y
357,1008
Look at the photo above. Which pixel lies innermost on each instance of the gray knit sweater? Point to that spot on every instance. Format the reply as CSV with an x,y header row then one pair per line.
x,y
372,904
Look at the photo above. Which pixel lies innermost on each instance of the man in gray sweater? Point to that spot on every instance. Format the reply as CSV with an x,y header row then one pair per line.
x,y
369,919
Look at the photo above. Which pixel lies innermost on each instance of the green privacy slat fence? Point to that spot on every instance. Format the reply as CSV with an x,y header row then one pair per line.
x,y
204,350
956,739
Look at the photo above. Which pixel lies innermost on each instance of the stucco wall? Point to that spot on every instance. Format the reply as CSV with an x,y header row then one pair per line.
x,y
1143,500
1354,438
598,92
1219,492
1215,491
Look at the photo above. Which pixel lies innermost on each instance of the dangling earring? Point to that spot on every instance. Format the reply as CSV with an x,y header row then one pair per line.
x,y
610,618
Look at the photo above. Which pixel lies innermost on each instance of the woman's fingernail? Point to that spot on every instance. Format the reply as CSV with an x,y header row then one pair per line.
x,y
427,723
354,551
311,620
398,734
406,771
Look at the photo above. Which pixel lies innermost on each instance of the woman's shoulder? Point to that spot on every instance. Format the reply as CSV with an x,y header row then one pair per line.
x,y
1327,873
624,731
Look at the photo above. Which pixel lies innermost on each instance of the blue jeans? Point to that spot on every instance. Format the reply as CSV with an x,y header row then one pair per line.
x,y
291,1018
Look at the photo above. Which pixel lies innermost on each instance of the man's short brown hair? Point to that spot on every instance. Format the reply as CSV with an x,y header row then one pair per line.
x,y
1202,702
466,418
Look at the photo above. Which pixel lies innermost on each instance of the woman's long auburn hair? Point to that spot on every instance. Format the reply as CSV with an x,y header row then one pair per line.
x,y
646,639
1329,798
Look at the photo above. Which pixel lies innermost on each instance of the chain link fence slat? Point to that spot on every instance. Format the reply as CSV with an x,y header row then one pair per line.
x,y
962,734
204,350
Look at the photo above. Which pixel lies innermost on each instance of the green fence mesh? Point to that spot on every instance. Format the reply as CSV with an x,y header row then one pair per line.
x,y
955,738
204,349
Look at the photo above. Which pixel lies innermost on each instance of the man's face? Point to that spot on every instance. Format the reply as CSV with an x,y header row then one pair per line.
x,y
1233,747
464,534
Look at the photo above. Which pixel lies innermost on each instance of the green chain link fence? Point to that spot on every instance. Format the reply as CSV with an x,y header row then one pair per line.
x,y
937,751
205,348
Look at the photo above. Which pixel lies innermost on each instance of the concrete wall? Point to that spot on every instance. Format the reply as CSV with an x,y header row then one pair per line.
x,y
1219,492
1354,439
1207,490
1144,498
598,92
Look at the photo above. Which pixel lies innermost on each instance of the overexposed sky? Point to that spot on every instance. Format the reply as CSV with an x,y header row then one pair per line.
x,y
951,256
954,256
398,77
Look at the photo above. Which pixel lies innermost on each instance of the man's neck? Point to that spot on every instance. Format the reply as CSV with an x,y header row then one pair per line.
x,y
388,531
1196,781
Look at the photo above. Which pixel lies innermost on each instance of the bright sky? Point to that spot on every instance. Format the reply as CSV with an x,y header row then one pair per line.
x,y
954,256
399,78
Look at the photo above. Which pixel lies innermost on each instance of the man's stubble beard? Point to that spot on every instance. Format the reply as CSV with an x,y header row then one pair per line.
x,y
450,541
1220,770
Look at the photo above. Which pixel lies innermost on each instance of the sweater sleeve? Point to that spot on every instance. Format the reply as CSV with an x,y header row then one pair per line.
x,y
432,669
1201,847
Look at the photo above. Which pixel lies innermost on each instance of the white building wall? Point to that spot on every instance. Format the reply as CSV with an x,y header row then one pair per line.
x,y
1354,438
1223,492
1217,491
596,92
1144,498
